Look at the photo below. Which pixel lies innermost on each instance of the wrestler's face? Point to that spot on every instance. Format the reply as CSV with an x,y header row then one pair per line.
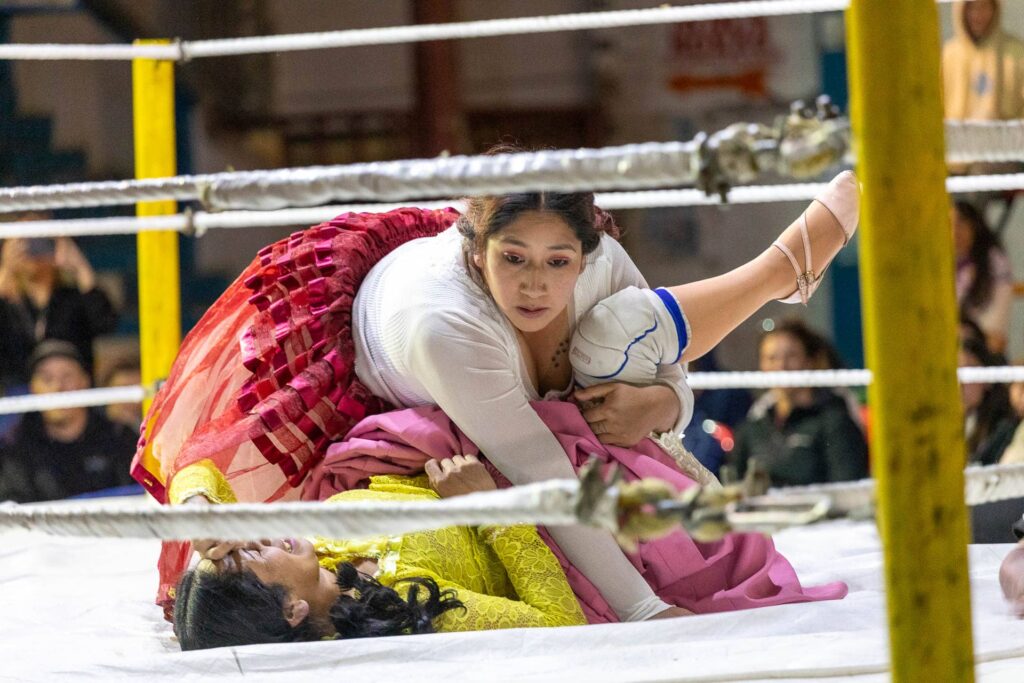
x,y
291,563
531,268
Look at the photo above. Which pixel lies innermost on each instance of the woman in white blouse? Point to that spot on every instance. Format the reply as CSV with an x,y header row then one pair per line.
x,y
480,319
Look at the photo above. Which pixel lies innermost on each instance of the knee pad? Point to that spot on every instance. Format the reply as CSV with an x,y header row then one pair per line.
x,y
625,337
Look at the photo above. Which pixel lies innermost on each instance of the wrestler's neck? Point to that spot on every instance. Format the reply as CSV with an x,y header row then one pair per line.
x,y
541,342
545,354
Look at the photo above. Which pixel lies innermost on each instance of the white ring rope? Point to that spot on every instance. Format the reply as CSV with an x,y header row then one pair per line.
x,y
1005,374
982,484
968,141
644,165
186,50
550,502
86,398
628,166
200,221
789,378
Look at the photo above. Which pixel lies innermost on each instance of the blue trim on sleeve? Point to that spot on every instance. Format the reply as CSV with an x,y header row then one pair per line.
x,y
677,317
625,353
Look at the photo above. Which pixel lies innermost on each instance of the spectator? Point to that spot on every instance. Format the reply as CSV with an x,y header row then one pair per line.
x,y
989,422
969,329
984,279
982,66
1014,452
124,373
799,435
47,291
68,451
9,420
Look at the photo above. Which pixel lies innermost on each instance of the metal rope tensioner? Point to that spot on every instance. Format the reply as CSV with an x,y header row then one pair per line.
x,y
801,145
650,508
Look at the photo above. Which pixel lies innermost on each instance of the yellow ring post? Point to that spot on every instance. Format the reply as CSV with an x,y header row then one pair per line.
x,y
910,327
159,290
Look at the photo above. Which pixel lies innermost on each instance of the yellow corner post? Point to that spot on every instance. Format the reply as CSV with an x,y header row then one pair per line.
x,y
910,335
159,288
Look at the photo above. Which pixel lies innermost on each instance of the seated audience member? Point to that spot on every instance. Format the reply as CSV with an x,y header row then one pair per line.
x,y
826,357
989,422
47,291
984,279
9,420
968,329
63,452
799,435
124,373
1014,452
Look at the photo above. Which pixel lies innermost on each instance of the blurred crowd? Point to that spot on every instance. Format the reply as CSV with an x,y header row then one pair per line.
x,y
51,312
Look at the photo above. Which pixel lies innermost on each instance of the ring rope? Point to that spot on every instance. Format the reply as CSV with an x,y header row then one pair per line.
x,y
1005,374
187,50
550,502
198,222
644,165
982,484
557,502
969,141
85,398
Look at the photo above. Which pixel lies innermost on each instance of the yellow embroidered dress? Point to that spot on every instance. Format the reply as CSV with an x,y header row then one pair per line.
x,y
505,576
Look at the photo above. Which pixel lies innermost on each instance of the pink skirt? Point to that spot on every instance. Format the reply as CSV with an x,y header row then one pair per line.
x,y
741,571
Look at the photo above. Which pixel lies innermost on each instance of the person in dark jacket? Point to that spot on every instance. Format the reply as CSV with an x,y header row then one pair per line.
x,y
989,420
799,435
47,291
63,452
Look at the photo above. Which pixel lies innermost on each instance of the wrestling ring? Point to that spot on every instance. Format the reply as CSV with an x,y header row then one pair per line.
x,y
77,578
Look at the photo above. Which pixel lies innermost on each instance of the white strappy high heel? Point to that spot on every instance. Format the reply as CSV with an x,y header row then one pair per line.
x,y
842,199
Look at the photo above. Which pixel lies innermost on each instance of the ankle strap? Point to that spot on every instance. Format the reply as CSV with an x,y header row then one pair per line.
x,y
807,249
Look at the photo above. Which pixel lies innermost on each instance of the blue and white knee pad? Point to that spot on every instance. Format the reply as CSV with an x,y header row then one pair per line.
x,y
625,337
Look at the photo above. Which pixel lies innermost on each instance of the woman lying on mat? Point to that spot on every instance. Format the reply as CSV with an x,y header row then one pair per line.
x,y
452,579
355,317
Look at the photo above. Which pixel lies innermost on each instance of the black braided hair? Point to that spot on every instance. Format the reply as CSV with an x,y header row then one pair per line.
x,y
219,609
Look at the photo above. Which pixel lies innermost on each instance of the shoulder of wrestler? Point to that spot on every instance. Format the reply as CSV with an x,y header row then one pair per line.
x,y
457,323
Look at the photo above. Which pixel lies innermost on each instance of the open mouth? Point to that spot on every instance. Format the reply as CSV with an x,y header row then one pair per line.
x,y
287,545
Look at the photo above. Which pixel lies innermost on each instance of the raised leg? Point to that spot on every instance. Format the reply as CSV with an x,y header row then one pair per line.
x,y
716,306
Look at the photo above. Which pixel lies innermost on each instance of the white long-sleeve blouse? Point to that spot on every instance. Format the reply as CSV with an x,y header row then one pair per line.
x,y
427,333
